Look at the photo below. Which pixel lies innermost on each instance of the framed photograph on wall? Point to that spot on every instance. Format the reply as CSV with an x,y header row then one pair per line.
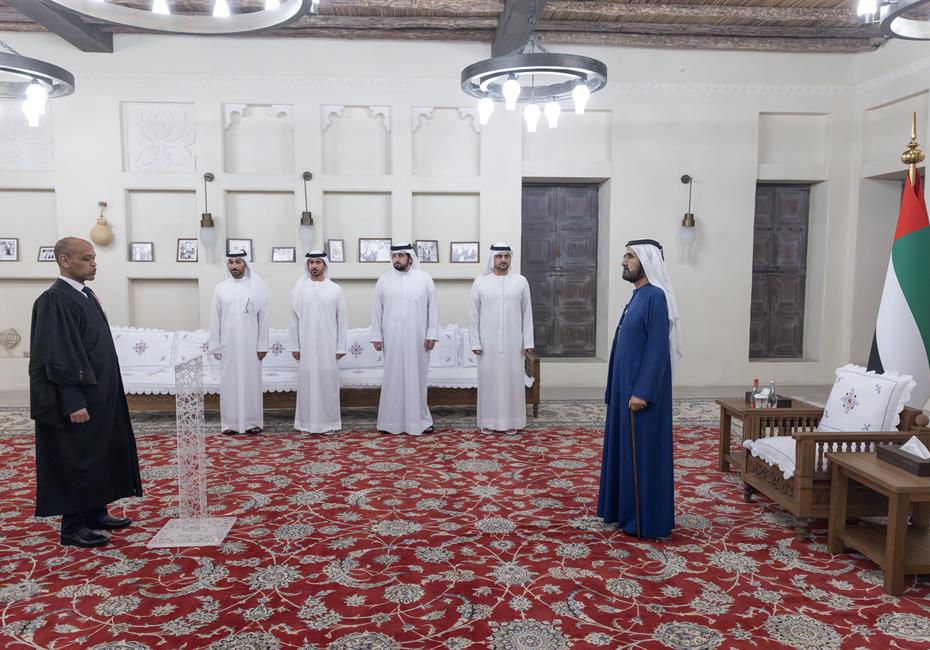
x,y
187,250
374,250
427,250
463,252
141,251
283,254
240,244
9,249
336,250
46,254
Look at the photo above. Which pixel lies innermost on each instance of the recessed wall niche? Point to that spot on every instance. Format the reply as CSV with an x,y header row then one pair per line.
x,y
161,217
439,131
351,215
258,138
267,218
886,129
578,139
158,137
356,140
149,300
24,148
454,297
358,295
29,215
446,218
18,296
793,138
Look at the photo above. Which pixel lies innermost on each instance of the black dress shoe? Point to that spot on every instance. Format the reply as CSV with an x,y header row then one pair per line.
x,y
106,522
84,537
254,431
230,432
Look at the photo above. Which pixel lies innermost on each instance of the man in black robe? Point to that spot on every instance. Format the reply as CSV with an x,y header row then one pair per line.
x,y
85,448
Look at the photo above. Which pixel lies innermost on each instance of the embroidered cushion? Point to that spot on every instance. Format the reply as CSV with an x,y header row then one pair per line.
x,y
445,353
469,358
191,345
360,353
865,401
279,356
141,348
775,450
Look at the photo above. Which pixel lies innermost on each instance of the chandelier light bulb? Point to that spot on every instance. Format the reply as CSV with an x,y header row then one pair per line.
x,y
37,96
485,108
272,4
32,113
161,7
531,114
867,9
221,9
552,111
580,95
511,92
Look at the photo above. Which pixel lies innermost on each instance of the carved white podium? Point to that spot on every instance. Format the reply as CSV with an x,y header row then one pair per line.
x,y
194,526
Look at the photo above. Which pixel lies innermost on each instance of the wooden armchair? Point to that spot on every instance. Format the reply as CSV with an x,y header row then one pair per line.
x,y
806,495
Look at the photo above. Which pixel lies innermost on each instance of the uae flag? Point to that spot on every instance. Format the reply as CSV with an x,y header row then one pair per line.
x,y
902,331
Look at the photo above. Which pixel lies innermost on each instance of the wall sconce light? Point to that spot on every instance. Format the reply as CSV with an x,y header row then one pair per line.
x,y
688,231
305,230
208,233
101,233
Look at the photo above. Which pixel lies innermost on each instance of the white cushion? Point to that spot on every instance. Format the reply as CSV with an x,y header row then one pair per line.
x,y
469,358
189,345
360,353
865,401
279,357
446,354
143,348
774,450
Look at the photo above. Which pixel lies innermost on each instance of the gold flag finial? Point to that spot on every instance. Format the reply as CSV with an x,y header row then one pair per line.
x,y
913,156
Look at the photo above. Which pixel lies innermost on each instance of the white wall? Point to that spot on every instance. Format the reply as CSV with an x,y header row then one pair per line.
x,y
664,113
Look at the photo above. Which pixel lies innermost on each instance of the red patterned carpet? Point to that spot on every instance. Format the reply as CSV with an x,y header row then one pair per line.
x,y
453,540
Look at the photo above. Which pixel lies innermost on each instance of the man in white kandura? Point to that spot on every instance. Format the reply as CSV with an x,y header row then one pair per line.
x,y
500,330
317,337
238,322
404,324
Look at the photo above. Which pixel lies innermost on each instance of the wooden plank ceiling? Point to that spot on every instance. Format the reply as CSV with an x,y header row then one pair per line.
x,y
765,25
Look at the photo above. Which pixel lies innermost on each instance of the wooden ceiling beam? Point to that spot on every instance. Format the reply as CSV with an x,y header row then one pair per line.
x,y
81,35
414,7
471,35
691,42
595,10
703,29
396,22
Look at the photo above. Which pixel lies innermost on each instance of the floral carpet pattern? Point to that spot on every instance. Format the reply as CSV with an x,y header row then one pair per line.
x,y
451,540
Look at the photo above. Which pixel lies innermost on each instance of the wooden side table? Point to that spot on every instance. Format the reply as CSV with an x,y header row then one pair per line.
x,y
800,416
897,548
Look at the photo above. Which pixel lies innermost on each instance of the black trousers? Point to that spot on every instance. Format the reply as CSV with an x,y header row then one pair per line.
x,y
73,522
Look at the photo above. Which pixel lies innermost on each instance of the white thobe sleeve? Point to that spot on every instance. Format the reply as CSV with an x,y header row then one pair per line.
x,y
432,311
474,315
293,324
262,345
342,314
527,305
377,311
216,321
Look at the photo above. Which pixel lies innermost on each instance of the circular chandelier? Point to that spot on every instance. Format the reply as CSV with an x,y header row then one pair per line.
x,y
222,22
905,19
534,76
33,83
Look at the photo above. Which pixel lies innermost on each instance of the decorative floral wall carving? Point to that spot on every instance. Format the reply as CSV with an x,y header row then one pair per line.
x,y
158,137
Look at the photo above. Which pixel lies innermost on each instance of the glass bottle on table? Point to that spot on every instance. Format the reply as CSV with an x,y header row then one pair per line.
x,y
754,392
773,400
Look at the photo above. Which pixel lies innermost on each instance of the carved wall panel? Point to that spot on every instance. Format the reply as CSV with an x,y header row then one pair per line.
x,y
24,148
158,137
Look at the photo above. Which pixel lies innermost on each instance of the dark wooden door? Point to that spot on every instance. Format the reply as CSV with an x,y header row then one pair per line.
x,y
559,250
779,271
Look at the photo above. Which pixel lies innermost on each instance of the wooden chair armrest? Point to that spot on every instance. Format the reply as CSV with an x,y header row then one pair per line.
x,y
531,365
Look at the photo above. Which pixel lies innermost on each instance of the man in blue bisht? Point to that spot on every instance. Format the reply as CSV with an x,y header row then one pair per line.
x,y
637,482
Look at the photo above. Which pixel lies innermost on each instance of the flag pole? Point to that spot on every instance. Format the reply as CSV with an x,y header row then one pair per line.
x,y
913,156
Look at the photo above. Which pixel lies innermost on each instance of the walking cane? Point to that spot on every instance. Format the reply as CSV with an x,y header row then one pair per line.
x,y
635,472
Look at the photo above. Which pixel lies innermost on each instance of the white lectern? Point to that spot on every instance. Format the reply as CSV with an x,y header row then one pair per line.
x,y
194,526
